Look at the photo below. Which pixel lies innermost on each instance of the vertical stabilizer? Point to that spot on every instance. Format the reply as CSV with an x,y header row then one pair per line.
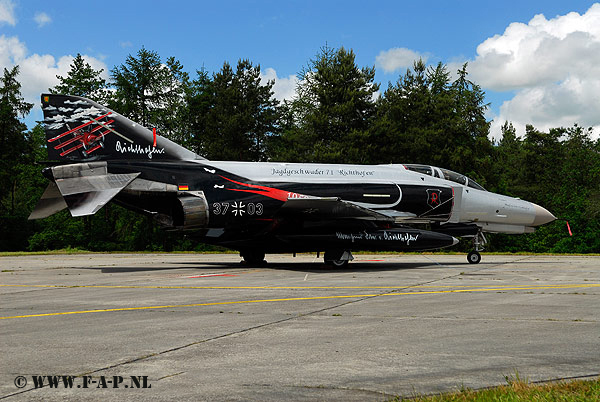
x,y
78,129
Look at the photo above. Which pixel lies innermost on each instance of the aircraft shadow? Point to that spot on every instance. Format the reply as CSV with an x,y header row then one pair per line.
x,y
308,267
116,270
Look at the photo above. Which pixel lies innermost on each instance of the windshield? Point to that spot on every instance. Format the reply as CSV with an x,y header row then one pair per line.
x,y
447,174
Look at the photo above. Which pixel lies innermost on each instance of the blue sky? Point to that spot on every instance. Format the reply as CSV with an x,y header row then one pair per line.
x,y
282,36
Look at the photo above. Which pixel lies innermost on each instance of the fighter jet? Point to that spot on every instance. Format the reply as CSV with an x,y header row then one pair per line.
x,y
265,207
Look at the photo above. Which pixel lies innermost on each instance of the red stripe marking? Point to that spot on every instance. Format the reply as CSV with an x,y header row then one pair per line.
x,y
99,127
103,134
68,151
62,144
270,192
93,149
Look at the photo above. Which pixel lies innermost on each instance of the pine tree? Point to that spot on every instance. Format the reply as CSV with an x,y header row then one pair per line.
x,y
234,113
332,112
200,99
15,147
82,80
15,153
426,118
151,93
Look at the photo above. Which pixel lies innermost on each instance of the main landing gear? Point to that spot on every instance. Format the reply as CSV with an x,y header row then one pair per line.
x,y
338,258
479,241
253,257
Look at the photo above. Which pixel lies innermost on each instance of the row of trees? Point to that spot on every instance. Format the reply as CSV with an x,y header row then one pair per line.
x,y
337,115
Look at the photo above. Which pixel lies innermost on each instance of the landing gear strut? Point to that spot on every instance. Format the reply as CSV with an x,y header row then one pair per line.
x,y
253,257
338,258
479,241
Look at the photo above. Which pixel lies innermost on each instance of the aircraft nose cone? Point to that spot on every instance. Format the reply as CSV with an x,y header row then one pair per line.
x,y
542,216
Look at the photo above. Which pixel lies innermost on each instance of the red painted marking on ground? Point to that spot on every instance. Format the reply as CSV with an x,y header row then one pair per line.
x,y
370,260
209,275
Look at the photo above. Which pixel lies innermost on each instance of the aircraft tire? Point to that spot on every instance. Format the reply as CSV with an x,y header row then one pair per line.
x,y
333,258
337,263
474,257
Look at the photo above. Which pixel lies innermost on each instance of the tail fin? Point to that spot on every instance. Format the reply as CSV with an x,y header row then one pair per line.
x,y
78,129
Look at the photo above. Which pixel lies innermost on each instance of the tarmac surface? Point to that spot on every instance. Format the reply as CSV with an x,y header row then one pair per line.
x,y
205,327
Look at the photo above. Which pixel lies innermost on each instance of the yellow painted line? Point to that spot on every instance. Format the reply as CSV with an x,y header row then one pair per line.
x,y
261,287
300,299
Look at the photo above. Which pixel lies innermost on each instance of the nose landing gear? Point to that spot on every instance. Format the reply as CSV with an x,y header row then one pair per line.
x,y
479,241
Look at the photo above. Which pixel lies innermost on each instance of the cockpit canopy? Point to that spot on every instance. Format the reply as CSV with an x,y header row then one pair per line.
x,y
444,174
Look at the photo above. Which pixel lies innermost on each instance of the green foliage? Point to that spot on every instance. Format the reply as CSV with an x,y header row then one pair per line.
x,y
559,169
233,114
152,93
329,119
15,144
16,149
82,80
425,118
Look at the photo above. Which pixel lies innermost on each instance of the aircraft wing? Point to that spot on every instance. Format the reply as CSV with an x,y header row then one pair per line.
x,y
330,208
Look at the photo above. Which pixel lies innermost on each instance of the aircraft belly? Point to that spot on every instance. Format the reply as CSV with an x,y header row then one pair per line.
x,y
346,238
396,239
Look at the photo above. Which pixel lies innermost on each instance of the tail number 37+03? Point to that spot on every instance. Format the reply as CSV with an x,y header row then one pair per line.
x,y
237,208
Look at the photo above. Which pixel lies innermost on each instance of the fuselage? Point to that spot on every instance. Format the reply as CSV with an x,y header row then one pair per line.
x,y
242,200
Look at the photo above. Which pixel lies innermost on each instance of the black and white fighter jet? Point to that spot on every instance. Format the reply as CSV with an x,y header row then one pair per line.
x,y
265,207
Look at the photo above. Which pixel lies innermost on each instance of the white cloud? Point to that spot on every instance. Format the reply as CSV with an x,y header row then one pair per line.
x,y
7,12
398,58
125,44
563,104
37,72
11,49
554,67
284,88
42,19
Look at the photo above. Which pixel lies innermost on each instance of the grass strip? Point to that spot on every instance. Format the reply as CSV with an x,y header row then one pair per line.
x,y
517,390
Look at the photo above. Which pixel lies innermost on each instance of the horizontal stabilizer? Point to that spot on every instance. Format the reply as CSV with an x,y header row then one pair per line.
x,y
51,202
86,195
84,188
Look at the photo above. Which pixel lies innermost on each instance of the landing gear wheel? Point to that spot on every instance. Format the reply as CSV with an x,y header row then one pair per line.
x,y
474,257
253,257
337,258
337,263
